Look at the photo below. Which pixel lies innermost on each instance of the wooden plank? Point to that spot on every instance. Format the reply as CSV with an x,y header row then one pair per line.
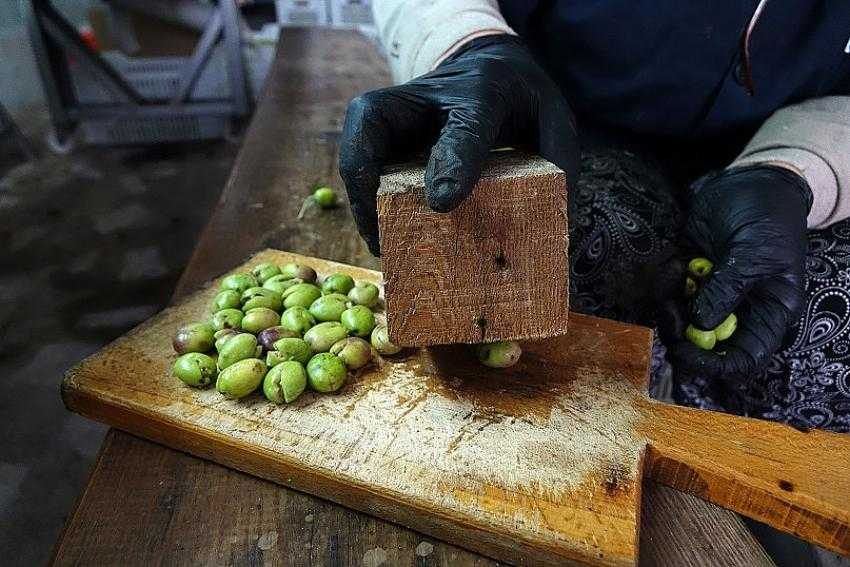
x,y
540,461
796,481
706,539
532,462
495,268
131,486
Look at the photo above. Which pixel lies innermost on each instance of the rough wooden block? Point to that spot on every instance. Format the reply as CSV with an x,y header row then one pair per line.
x,y
493,269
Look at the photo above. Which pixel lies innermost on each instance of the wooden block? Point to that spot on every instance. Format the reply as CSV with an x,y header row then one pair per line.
x,y
493,269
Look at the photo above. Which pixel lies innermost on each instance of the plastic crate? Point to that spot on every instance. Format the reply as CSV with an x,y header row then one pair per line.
x,y
124,131
302,12
153,77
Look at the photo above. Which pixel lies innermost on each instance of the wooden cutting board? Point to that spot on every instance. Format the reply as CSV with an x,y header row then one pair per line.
x,y
537,464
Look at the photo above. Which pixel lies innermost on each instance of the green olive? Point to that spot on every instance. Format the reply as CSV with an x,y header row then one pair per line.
x,y
261,297
259,319
381,341
289,349
197,337
703,339
328,307
358,320
364,293
700,267
322,337
285,382
690,287
727,328
501,354
238,282
264,271
226,299
223,336
241,378
337,283
281,283
293,270
353,351
227,319
268,337
195,369
237,348
297,319
326,372
302,295
325,197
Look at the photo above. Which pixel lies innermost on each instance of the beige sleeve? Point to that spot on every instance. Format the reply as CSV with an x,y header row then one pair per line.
x,y
418,34
812,138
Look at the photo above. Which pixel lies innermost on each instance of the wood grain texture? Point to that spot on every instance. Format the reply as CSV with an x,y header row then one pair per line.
x,y
796,481
495,268
138,487
541,461
706,539
537,462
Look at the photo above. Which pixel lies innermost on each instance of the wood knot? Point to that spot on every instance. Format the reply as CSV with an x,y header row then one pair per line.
x,y
786,486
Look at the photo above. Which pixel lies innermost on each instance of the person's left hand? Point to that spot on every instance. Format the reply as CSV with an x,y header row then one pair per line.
x,y
751,223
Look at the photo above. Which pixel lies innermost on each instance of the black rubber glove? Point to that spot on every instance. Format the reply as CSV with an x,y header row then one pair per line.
x,y
491,93
751,222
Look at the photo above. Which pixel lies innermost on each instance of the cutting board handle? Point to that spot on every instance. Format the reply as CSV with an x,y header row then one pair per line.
x,y
795,481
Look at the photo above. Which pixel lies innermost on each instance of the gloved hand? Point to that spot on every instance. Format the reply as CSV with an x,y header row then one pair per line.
x,y
751,222
491,93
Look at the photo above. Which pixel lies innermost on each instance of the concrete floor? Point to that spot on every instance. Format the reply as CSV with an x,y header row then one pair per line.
x,y
91,244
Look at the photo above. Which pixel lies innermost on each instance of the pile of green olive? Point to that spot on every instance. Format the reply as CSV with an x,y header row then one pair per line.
x,y
281,329
698,271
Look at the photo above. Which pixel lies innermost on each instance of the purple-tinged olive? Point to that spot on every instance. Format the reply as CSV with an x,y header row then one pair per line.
x,y
195,369
364,293
197,337
326,372
337,283
259,319
353,351
226,299
227,319
281,283
358,320
264,271
268,337
501,354
293,270
328,307
297,319
285,382
238,282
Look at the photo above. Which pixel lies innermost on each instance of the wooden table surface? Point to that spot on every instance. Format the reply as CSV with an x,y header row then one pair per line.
x,y
145,504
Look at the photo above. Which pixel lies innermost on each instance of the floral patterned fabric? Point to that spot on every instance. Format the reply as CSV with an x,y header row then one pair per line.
x,y
625,224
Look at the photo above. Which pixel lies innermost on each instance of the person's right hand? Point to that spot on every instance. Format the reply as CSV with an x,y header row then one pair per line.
x,y
489,94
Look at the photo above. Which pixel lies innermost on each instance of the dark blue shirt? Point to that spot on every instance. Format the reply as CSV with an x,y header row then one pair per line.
x,y
672,68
